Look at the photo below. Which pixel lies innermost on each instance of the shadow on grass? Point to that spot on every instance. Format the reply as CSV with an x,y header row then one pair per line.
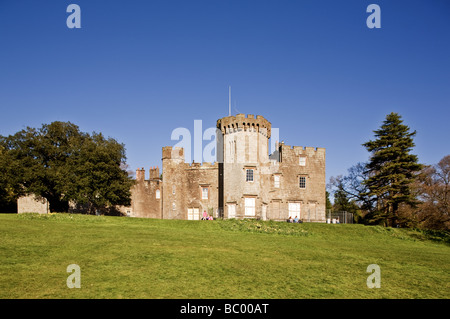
x,y
441,236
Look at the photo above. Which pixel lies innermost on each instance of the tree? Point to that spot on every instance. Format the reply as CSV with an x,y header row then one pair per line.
x,y
433,189
328,204
7,191
342,202
62,164
98,169
40,159
350,193
354,186
391,169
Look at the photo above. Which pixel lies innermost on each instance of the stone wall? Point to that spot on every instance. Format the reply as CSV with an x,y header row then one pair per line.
x,y
312,197
183,184
146,195
31,204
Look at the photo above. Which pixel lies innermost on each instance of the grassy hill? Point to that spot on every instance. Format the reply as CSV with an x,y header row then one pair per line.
x,y
144,258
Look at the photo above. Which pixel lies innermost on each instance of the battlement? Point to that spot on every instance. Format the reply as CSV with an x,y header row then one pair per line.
x,y
231,124
169,152
154,173
300,150
204,165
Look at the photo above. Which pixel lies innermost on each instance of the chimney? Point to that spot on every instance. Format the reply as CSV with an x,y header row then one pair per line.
x,y
154,172
140,174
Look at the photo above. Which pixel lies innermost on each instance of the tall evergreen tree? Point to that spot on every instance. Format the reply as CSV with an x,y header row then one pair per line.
x,y
391,169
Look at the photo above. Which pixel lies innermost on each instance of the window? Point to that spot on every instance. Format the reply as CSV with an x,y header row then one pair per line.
x,y
173,189
302,182
249,177
158,194
174,206
250,206
205,191
302,161
276,181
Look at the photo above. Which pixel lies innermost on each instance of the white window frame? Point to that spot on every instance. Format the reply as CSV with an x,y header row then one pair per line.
x,y
158,194
276,181
302,161
203,192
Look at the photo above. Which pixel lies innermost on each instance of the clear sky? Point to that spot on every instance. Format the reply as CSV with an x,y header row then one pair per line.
x,y
137,70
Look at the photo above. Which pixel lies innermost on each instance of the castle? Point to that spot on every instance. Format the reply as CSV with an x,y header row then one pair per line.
x,y
245,182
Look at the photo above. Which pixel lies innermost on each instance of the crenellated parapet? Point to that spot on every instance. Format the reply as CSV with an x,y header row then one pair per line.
x,y
292,153
153,174
308,151
169,152
204,165
240,122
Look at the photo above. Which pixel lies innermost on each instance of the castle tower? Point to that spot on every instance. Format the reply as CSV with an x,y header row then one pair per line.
x,y
174,183
245,139
245,151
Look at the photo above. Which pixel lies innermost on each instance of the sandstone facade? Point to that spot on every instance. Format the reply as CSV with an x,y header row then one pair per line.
x,y
245,182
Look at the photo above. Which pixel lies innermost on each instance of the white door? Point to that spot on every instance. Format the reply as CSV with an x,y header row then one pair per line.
x,y
231,211
249,206
196,214
193,214
294,210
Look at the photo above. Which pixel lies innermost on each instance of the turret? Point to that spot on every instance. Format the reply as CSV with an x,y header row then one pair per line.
x,y
240,122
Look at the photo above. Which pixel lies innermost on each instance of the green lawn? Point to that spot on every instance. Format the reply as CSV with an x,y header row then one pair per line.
x,y
145,258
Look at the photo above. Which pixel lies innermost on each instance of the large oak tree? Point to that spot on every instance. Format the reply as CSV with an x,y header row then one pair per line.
x,y
63,164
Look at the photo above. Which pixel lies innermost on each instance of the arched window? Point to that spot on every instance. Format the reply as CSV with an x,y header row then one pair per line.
x,y
158,194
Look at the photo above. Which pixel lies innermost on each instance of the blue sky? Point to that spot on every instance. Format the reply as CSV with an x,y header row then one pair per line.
x,y
137,70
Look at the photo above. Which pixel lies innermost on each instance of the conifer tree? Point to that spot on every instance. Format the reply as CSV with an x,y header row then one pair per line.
x,y
391,169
